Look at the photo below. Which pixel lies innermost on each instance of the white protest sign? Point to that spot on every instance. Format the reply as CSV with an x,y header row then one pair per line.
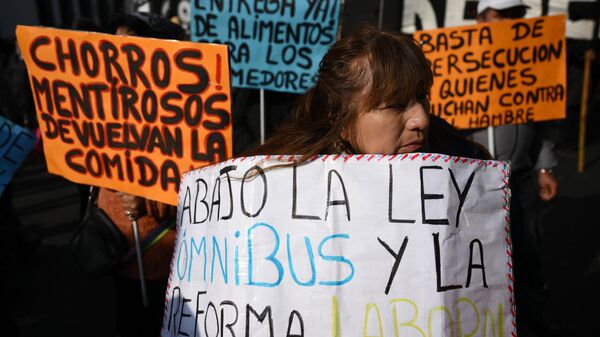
x,y
351,245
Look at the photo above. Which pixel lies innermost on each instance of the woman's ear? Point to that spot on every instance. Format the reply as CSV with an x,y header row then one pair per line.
x,y
345,144
345,134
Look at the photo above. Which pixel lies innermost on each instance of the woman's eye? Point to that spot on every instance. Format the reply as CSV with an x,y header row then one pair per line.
x,y
396,108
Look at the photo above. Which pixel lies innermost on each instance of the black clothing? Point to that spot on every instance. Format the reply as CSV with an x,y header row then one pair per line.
x,y
445,139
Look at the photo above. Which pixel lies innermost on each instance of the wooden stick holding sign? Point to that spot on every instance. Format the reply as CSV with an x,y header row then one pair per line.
x,y
491,141
338,35
590,55
262,116
140,262
380,17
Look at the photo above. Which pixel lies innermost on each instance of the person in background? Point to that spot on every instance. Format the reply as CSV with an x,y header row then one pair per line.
x,y
530,154
17,243
532,160
11,229
133,319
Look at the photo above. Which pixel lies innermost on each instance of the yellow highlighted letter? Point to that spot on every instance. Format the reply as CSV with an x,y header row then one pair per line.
x,y
410,323
459,319
369,307
445,310
335,318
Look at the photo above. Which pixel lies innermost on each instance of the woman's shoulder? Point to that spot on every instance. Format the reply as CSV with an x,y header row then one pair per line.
x,y
445,139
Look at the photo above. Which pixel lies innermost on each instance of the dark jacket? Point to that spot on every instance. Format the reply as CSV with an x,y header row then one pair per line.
x,y
445,139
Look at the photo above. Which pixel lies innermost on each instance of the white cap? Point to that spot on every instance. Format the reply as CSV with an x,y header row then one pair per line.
x,y
498,4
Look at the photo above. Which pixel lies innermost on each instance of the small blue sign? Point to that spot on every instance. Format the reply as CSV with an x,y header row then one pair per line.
x,y
274,45
15,143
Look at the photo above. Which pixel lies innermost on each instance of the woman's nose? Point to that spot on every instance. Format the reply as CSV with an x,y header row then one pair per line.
x,y
418,119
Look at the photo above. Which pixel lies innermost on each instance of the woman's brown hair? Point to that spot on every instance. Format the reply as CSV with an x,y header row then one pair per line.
x,y
359,73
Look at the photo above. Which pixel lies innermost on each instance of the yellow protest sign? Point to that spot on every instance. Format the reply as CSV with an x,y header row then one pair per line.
x,y
507,72
128,113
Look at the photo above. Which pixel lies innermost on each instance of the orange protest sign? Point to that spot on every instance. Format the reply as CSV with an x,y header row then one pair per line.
x,y
508,72
128,113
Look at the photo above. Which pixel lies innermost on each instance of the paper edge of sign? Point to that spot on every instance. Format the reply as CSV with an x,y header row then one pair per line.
x,y
25,27
284,158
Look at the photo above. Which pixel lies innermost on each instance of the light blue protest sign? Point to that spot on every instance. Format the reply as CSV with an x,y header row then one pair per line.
x,y
273,45
15,143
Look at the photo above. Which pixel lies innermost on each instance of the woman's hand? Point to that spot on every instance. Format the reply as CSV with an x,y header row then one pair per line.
x,y
548,185
132,205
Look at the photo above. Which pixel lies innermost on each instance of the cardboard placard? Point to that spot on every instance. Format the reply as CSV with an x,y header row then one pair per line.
x,y
274,45
128,113
15,144
508,72
352,245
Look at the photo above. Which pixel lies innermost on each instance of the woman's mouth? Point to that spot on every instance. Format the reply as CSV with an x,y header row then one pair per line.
x,y
411,147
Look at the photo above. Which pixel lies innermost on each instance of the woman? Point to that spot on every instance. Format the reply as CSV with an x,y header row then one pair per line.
x,y
370,97
154,219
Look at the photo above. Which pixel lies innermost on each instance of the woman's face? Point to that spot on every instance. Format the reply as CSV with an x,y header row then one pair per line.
x,y
387,130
